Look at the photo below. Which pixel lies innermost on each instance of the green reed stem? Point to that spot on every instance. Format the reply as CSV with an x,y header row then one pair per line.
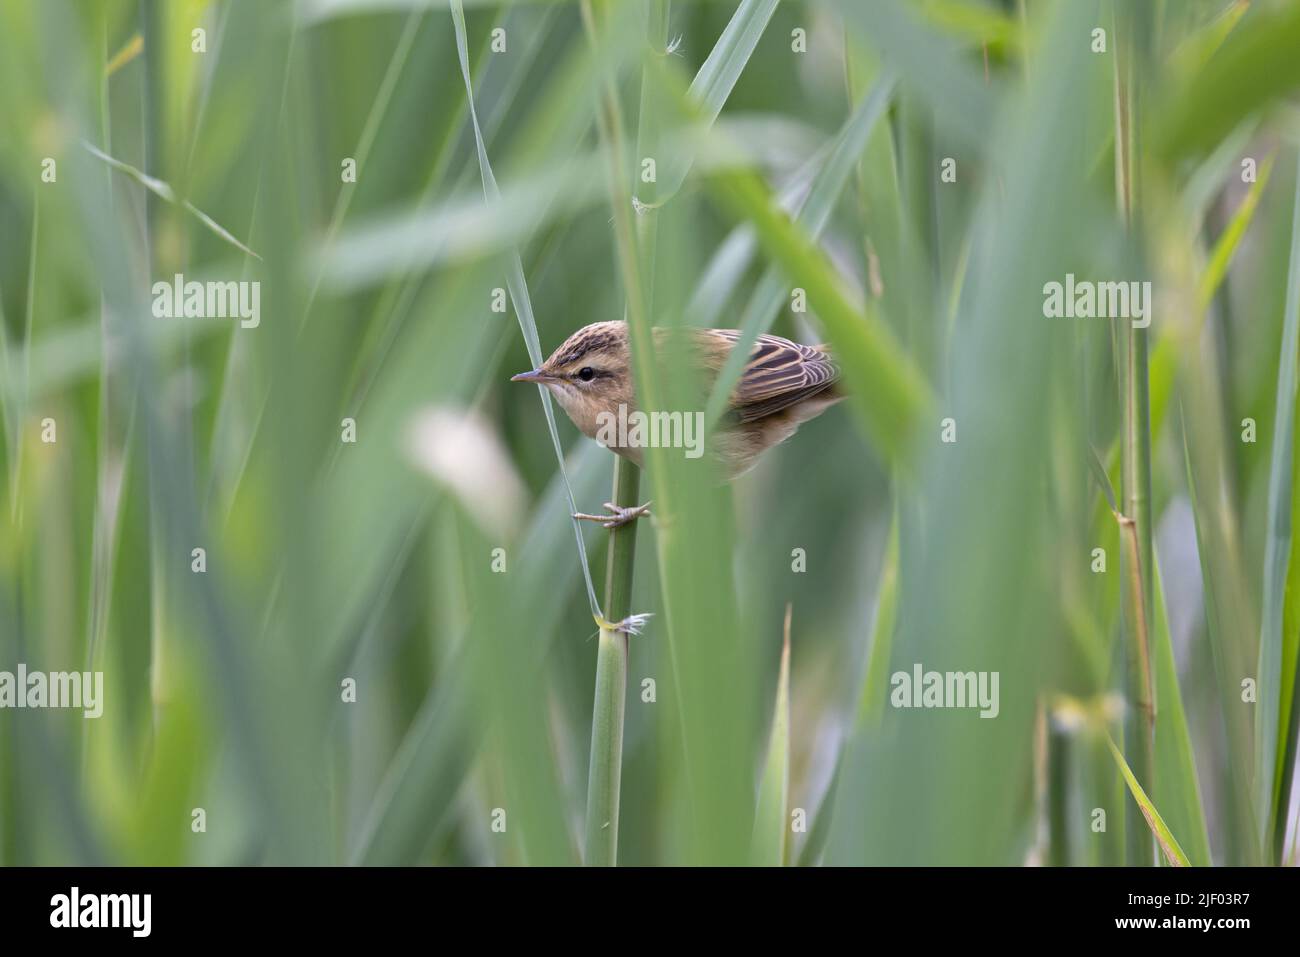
x,y
606,763
605,768
1138,556
1059,759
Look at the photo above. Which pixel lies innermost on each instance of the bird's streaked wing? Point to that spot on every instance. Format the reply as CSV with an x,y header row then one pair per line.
x,y
779,374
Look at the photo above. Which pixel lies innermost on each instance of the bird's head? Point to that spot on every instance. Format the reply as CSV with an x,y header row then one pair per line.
x,y
588,374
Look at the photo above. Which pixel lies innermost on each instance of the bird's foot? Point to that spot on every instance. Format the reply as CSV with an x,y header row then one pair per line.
x,y
618,515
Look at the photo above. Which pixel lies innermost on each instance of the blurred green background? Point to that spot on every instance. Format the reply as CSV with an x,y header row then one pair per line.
x,y
389,657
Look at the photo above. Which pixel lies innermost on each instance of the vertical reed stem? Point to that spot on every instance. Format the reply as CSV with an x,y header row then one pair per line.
x,y
606,762
1139,724
1059,758
605,769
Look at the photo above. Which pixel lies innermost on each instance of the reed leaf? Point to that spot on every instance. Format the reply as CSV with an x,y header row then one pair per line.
x,y
1160,831
813,215
1253,66
771,841
717,77
1274,727
163,190
1177,788
887,392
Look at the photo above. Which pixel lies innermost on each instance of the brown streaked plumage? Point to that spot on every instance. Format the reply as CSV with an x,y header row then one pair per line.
x,y
783,385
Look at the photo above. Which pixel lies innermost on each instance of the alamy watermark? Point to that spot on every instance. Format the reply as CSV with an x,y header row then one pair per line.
x,y
1083,299
53,689
638,430
208,300
946,689
129,911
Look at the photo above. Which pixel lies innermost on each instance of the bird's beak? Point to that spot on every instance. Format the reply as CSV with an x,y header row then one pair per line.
x,y
537,375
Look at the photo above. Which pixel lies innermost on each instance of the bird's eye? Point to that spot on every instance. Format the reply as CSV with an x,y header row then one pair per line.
x,y
586,373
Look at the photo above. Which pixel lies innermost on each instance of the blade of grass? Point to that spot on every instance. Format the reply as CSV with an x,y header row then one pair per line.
x,y
886,389
29,319
1177,788
635,252
394,305
815,846
8,415
993,616
815,213
1225,248
237,682
164,191
518,288
1226,614
771,841
1159,830
871,702
1139,733
1290,673
412,805
128,52
709,670
979,25
1272,724
931,64
717,77
375,116
1164,359
21,399
458,228
730,261
1254,65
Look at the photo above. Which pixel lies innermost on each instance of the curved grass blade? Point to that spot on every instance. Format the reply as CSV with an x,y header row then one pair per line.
x,y
164,191
1225,249
1164,837
518,289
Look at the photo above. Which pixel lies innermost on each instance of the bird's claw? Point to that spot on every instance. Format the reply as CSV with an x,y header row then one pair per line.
x,y
618,517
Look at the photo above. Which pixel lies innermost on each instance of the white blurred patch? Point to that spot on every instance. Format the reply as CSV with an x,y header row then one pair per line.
x,y
460,450
1180,568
